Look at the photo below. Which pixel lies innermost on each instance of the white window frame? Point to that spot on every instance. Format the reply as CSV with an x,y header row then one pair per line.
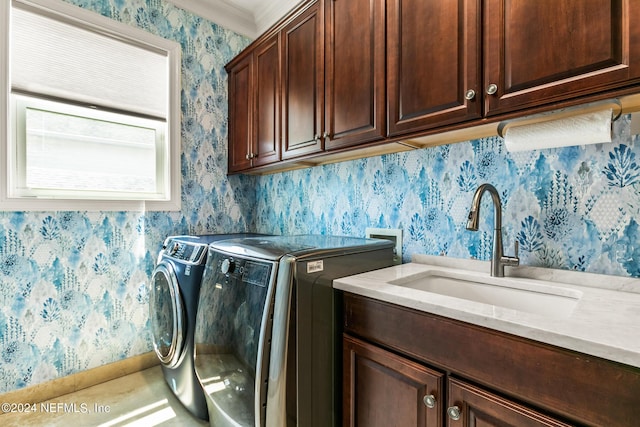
x,y
9,200
18,159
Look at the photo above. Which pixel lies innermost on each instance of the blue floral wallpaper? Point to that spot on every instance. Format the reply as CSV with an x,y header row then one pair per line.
x,y
73,285
574,208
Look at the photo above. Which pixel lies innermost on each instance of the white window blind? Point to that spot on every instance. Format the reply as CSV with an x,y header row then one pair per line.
x,y
53,58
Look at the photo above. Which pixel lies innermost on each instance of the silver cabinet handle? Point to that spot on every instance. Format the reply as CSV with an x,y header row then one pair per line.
x,y
325,135
250,156
492,88
316,137
453,412
429,401
470,94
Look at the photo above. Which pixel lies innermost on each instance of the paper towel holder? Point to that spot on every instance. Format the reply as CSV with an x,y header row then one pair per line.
x,y
614,104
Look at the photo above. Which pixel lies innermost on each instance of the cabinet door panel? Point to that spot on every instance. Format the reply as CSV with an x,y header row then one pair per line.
x,y
433,50
267,121
355,67
541,51
240,116
382,389
479,408
304,84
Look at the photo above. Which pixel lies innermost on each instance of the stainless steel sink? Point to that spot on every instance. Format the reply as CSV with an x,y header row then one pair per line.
x,y
527,295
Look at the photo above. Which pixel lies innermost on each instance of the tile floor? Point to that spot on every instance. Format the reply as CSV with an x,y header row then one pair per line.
x,y
138,400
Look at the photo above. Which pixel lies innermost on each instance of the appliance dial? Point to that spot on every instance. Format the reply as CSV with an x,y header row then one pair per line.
x,y
227,266
175,248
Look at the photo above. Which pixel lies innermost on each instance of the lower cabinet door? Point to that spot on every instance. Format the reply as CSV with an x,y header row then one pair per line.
x,y
382,389
471,406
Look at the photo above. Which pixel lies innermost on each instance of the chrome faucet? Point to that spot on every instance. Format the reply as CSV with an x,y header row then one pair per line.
x,y
498,260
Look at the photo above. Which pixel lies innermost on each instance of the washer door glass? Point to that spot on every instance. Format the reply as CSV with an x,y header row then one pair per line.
x,y
166,314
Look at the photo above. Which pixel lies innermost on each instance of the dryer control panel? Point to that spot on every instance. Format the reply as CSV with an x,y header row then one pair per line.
x,y
244,270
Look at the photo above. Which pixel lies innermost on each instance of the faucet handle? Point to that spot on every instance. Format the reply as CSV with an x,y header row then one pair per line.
x,y
512,261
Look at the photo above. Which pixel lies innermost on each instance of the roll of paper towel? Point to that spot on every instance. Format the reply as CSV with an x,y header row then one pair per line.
x,y
587,128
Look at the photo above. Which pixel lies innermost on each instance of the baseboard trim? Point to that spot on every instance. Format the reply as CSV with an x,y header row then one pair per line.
x,y
81,380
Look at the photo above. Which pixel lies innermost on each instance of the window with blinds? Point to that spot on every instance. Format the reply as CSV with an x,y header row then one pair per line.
x,y
93,112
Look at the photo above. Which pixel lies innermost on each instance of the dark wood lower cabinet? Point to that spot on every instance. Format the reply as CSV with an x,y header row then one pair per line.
x,y
394,356
382,389
471,406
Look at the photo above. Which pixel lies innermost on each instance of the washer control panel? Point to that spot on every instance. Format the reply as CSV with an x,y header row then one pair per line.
x,y
192,253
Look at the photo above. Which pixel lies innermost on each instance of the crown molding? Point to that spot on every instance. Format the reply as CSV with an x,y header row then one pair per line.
x,y
226,13
222,13
270,12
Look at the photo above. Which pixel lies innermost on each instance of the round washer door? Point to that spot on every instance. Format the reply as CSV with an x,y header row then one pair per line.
x,y
167,314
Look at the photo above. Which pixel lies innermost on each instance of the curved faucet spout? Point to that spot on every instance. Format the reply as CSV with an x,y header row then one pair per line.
x,y
474,214
498,260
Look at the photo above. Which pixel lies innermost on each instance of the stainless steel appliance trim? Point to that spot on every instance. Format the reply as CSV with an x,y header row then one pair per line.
x,y
276,399
264,350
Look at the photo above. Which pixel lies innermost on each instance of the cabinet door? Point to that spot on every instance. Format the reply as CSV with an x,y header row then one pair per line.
x,y
303,84
471,406
381,389
543,51
433,63
266,147
240,114
355,72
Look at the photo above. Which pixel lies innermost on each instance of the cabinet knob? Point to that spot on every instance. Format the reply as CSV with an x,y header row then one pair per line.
x,y
491,89
250,156
453,412
429,401
325,135
470,94
316,137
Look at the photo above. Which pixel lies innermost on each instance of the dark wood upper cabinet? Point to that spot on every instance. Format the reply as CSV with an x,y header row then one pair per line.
x,y
254,107
537,52
433,63
334,75
303,85
267,110
355,72
240,114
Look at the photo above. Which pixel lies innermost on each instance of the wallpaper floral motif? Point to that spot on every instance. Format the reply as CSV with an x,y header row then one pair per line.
x,y
574,208
73,285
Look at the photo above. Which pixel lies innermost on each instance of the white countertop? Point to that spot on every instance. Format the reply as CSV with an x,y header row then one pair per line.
x,y
604,323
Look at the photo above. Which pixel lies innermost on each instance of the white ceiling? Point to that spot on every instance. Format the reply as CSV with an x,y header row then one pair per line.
x,y
248,17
